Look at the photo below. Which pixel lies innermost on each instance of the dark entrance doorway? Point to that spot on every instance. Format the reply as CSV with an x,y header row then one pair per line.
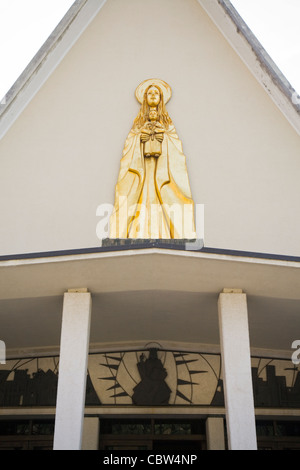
x,y
278,435
26,435
152,434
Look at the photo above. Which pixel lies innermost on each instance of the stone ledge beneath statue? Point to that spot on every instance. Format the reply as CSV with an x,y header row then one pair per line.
x,y
177,244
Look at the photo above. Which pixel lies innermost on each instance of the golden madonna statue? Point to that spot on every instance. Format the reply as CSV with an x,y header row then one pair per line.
x,y
152,197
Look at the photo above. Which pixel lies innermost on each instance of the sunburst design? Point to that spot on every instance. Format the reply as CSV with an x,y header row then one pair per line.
x,y
181,374
186,384
114,368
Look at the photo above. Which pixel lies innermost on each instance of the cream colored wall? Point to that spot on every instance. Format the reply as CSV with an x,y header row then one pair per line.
x,y
60,160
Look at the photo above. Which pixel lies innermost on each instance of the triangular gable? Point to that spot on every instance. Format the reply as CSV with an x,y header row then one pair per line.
x,y
82,12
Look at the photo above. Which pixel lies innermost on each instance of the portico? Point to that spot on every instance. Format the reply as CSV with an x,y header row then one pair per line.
x,y
150,339
143,306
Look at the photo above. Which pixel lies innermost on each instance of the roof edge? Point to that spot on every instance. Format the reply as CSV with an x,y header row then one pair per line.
x,y
38,58
262,55
255,57
48,57
122,245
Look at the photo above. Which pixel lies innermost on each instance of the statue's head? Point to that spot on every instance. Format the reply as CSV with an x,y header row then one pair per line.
x,y
153,93
153,114
152,85
153,353
153,96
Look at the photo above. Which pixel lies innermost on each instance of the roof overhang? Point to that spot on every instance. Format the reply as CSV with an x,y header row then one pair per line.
x,y
148,269
148,295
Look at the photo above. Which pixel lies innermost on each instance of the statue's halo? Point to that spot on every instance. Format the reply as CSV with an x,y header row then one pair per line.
x,y
165,88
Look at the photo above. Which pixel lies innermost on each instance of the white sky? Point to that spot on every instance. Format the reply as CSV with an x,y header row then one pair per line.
x,y
26,24
276,25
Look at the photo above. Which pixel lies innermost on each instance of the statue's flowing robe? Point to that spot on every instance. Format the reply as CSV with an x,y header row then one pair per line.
x,y
152,196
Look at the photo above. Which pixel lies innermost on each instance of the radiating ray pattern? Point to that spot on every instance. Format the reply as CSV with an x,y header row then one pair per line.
x,y
192,377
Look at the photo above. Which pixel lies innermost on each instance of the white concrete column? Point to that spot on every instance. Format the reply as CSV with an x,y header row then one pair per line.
x,y
90,437
74,346
215,433
236,365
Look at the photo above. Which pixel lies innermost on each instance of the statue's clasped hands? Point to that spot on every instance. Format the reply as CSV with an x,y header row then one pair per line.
x,y
158,136
145,137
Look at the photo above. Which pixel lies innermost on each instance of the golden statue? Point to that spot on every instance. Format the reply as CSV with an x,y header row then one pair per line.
x,y
153,197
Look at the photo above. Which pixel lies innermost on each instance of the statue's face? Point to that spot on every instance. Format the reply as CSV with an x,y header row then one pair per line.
x,y
153,96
